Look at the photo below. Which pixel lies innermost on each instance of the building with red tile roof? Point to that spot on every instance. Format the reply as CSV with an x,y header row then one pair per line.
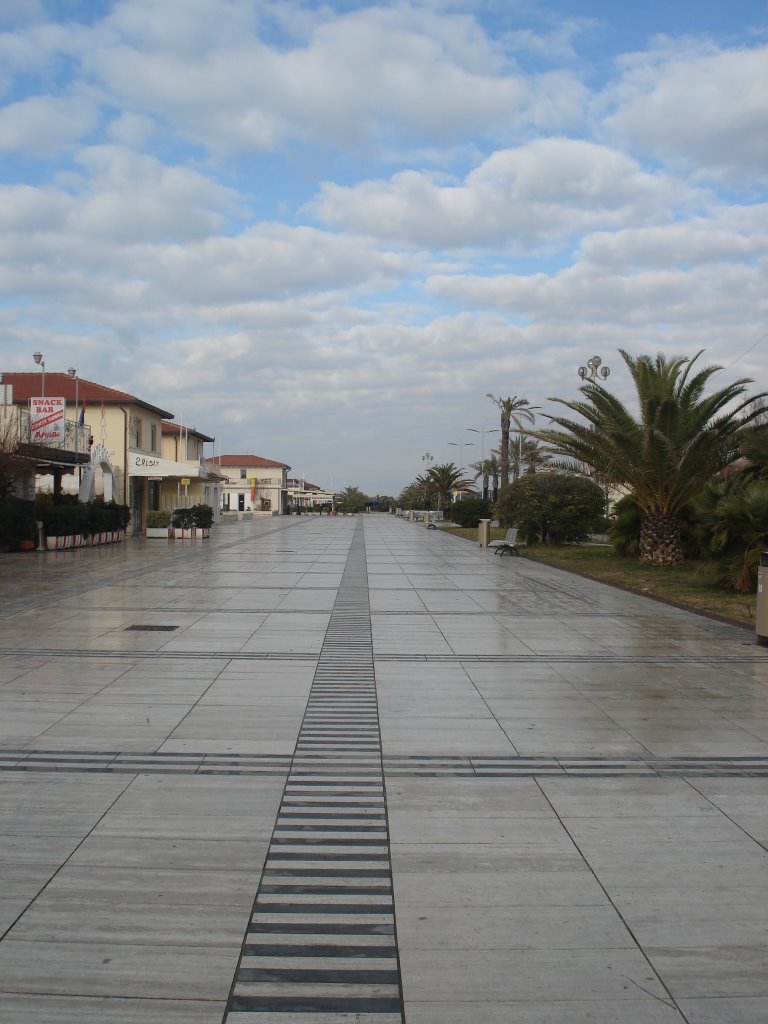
x,y
120,445
253,483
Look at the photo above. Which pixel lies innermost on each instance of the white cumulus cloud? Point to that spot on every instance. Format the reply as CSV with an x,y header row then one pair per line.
x,y
706,111
547,189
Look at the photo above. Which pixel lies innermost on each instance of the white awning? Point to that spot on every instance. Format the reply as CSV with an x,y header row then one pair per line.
x,y
152,465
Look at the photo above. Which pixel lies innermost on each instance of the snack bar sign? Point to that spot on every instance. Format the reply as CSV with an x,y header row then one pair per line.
x,y
47,420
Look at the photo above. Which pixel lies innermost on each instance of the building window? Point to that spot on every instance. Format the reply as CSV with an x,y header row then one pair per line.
x,y
135,429
153,436
242,474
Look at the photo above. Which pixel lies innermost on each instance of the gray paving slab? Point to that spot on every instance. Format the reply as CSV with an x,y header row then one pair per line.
x,y
141,777
42,1009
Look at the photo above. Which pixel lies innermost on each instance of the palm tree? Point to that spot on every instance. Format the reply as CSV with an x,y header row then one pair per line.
x,y
425,489
534,455
526,455
487,469
494,471
513,410
352,499
681,439
445,479
734,514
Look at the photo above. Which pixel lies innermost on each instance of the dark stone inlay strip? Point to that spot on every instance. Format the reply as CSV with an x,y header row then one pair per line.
x,y
289,855
316,1004
284,889
332,818
319,976
326,873
404,766
356,952
150,629
319,928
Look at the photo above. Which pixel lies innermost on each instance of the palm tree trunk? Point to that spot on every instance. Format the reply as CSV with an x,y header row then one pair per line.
x,y
504,453
660,542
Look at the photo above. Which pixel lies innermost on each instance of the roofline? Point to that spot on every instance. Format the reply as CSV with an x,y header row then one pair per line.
x,y
177,428
114,397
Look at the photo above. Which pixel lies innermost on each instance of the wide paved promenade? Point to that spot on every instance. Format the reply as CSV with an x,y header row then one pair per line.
x,y
330,770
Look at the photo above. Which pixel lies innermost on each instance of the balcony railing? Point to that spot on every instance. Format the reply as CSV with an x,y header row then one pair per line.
x,y
17,431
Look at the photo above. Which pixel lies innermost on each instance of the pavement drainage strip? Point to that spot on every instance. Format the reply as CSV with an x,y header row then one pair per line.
x,y
321,942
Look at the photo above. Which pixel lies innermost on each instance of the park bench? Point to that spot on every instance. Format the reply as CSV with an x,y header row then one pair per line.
x,y
508,545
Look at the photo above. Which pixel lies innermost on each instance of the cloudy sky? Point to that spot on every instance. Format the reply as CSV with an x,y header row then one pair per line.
x,y
323,232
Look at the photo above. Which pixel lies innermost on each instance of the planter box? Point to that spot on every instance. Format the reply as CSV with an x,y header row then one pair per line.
x,y
106,537
78,541
64,543
158,532
193,533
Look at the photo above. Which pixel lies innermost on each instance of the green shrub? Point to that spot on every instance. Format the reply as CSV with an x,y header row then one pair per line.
x,y
17,522
551,508
158,518
64,519
624,528
470,511
181,519
200,516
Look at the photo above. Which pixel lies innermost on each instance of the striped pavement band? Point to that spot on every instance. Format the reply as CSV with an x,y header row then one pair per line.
x,y
321,944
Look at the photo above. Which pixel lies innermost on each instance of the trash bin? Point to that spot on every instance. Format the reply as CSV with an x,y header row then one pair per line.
x,y
484,532
761,609
426,519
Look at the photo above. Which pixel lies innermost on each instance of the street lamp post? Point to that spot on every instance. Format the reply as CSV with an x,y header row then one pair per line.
x,y
482,431
461,445
591,374
427,458
73,376
593,370
38,357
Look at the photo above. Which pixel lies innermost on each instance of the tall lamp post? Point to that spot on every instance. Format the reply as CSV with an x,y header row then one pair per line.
x,y
73,376
38,357
482,431
461,445
593,370
427,458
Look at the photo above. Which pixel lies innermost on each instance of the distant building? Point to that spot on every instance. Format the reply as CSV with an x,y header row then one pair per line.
x,y
304,495
199,482
251,483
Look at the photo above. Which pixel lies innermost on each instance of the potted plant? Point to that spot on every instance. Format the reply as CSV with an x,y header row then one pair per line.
x,y
192,522
18,527
27,533
158,524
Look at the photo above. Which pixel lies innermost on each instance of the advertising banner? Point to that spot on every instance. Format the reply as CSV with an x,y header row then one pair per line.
x,y
47,420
